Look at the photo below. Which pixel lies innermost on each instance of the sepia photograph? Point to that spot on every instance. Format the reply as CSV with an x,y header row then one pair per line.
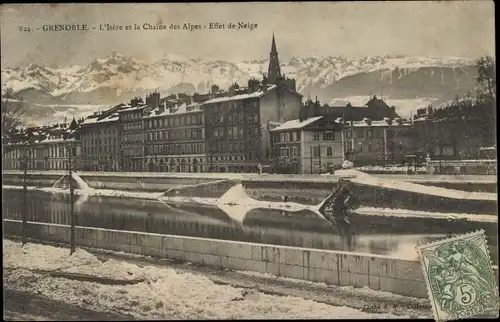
x,y
249,160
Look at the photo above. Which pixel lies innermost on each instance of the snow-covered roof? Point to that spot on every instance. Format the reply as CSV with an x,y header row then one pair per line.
x,y
383,123
296,124
135,108
256,94
56,140
180,109
95,120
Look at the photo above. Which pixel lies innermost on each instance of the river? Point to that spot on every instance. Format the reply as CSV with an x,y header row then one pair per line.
x,y
368,234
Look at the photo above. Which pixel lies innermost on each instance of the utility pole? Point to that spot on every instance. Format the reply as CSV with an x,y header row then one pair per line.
x,y
71,199
319,158
311,157
385,146
25,164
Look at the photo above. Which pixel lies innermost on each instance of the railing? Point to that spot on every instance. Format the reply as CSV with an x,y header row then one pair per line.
x,y
462,167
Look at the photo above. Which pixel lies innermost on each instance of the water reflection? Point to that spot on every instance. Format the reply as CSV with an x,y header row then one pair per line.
x,y
390,236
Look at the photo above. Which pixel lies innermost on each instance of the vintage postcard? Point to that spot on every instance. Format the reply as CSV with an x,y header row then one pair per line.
x,y
246,160
460,278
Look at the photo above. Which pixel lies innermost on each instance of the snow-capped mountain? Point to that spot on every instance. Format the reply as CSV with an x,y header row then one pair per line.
x,y
117,78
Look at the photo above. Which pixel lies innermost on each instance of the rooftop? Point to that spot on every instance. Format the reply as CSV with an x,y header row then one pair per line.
x,y
296,124
178,109
385,122
256,94
95,119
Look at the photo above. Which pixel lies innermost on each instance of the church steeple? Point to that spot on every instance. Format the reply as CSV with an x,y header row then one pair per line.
x,y
274,71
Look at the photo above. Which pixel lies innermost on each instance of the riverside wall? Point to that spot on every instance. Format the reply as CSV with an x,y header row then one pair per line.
x,y
380,273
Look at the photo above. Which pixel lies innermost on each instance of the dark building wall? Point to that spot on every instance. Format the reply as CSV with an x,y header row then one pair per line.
x,y
233,135
101,146
132,140
175,142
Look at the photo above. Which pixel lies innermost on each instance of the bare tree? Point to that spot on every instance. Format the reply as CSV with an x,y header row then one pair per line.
x,y
486,70
12,110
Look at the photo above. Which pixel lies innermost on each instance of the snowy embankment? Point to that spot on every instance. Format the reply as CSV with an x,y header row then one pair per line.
x,y
166,293
362,178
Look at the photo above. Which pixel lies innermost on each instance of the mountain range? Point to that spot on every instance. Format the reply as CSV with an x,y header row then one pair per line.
x,y
405,82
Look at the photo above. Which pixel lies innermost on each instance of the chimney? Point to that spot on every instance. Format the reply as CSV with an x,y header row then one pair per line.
x,y
161,107
302,114
214,89
153,100
135,101
253,85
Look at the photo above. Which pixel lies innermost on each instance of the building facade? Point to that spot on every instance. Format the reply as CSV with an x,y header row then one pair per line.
x,y
309,146
175,138
44,148
237,127
100,137
131,124
383,142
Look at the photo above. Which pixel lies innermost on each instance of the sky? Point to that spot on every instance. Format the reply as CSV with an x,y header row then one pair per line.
x,y
350,29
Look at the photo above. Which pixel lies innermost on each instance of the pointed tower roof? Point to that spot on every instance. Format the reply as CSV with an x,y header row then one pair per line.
x,y
273,46
73,125
274,70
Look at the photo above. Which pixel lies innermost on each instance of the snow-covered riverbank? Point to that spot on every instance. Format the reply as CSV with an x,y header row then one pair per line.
x,y
166,294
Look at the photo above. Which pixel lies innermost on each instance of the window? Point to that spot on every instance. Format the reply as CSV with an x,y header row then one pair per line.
x,y
294,151
369,146
316,151
282,152
316,136
329,151
329,136
370,133
297,135
282,137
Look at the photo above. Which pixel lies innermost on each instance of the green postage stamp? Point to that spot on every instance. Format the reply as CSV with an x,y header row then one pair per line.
x,y
460,277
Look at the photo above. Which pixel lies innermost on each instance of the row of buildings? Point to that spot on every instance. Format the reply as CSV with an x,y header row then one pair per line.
x,y
242,129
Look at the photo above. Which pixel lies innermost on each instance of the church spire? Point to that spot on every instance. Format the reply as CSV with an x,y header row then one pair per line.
x,y
274,70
